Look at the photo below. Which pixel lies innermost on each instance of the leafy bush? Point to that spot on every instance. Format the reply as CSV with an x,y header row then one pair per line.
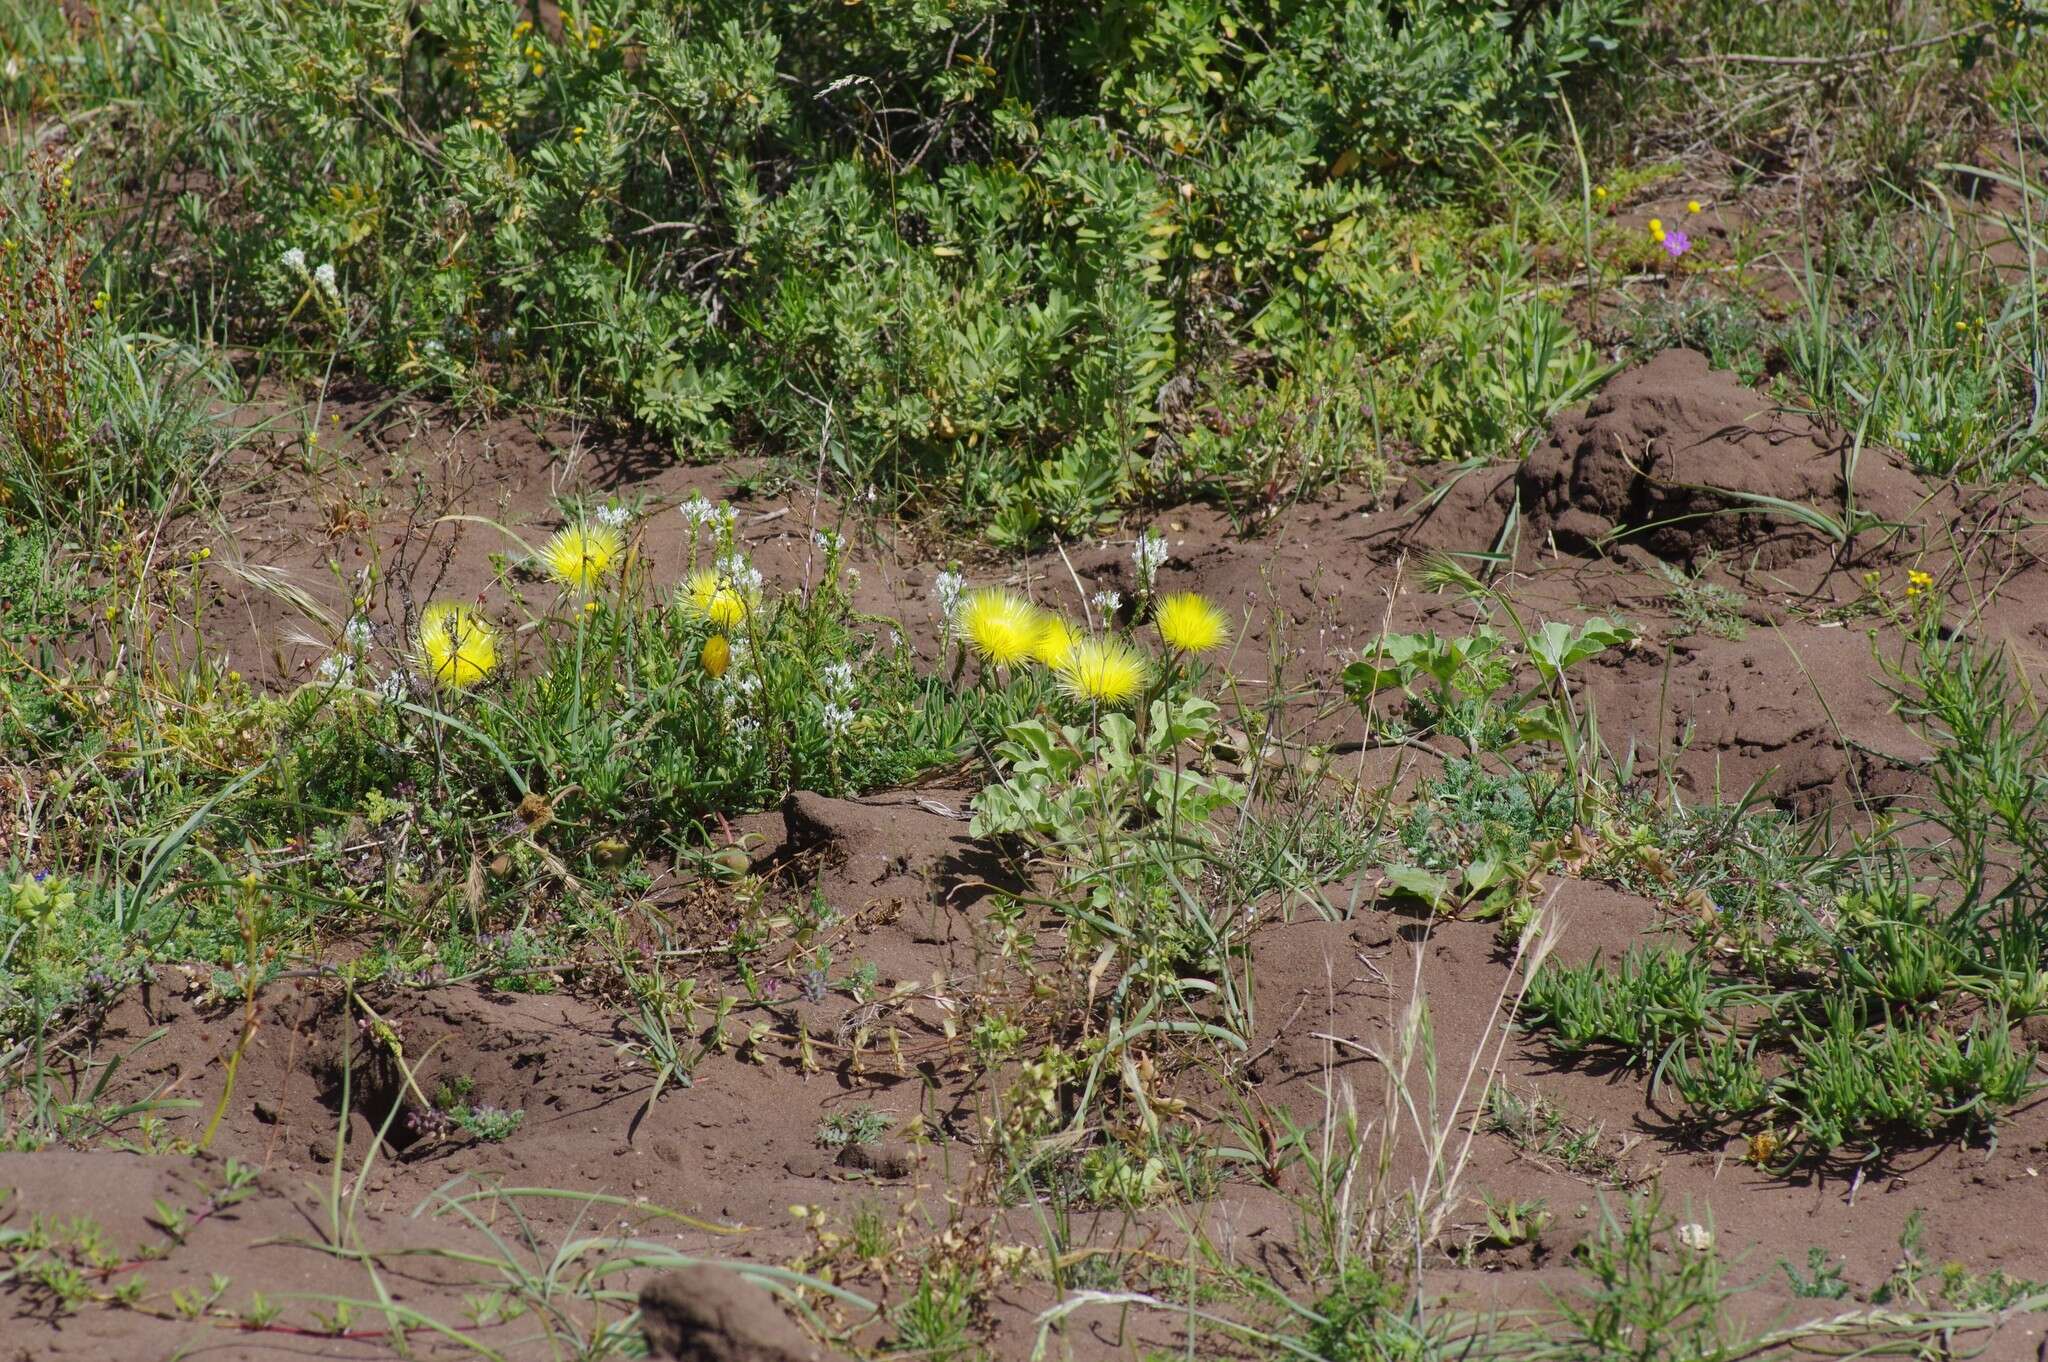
x,y
966,241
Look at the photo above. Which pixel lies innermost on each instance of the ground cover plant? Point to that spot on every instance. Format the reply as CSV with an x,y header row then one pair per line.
x,y
1352,679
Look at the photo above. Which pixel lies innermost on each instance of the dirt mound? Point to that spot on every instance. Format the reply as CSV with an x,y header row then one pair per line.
x,y
1801,712
713,1314
1684,461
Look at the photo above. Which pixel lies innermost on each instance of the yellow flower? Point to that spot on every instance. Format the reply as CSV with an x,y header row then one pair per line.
x,y
1105,671
1600,191
1656,229
579,556
717,655
1001,626
1189,624
457,648
1692,205
1056,639
717,599
1917,582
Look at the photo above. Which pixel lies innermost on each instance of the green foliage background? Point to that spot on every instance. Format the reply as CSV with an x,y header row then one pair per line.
x,y
985,245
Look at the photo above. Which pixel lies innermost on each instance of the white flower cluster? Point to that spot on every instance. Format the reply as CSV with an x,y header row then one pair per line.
x,y
1107,603
946,589
698,511
829,540
393,688
294,260
338,669
837,716
1148,555
737,688
735,571
356,633
614,516
324,277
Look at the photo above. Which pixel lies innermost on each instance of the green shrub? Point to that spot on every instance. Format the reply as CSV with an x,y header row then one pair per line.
x,y
969,242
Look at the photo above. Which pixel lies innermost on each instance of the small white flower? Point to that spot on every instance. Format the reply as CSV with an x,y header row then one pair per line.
x,y
745,728
1148,555
829,540
324,277
338,669
357,633
946,589
393,687
735,570
294,260
1107,602
838,677
837,718
614,516
697,511
433,347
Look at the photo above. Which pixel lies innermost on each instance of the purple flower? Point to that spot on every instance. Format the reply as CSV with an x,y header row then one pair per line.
x,y
1676,243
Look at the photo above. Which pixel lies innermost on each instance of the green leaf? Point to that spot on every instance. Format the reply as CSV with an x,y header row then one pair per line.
x,y
1412,881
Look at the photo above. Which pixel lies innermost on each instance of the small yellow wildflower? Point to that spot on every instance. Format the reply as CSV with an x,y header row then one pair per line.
x,y
457,648
1103,671
1189,624
1600,192
717,655
716,599
1001,626
579,556
1692,205
1056,640
1917,583
1657,230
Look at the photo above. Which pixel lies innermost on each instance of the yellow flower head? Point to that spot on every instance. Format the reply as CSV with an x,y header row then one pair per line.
x,y
1001,626
1189,624
457,647
1917,582
1056,639
579,556
717,655
1103,671
1692,206
717,599
1656,229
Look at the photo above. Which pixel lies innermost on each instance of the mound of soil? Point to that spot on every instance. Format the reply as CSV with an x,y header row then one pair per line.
x,y
1678,459
713,1314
